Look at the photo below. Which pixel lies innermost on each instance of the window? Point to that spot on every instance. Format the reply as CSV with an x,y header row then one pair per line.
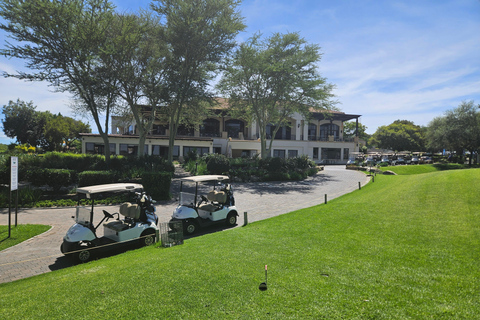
x,y
210,128
159,130
234,127
162,151
277,153
98,148
128,149
346,153
312,131
331,153
245,154
329,129
315,153
89,147
199,150
283,133
292,153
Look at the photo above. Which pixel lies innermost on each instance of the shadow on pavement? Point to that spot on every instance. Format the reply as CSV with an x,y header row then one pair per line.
x,y
283,187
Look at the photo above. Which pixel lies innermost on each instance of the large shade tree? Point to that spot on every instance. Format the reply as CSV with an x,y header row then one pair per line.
x,y
138,58
199,34
269,80
63,133
62,43
23,122
458,130
401,135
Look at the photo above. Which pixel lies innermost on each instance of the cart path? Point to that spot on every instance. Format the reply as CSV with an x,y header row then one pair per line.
x,y
261,200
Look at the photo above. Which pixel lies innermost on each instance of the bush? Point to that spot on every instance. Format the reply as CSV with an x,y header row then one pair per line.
x,y
90,178
157,184
277,176
274,165
217,164
58,178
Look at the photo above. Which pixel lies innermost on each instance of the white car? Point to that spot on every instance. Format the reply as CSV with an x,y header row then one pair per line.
x,y
197,210
135,222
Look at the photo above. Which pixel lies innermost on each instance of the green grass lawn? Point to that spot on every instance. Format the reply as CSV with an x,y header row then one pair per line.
x,y
424,168
19,234
403,247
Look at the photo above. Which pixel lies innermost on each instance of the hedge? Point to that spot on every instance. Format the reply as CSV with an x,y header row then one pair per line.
x,y
90,178
157,184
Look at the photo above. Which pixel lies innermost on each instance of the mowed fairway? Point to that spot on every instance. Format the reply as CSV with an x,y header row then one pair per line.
x,y
403,247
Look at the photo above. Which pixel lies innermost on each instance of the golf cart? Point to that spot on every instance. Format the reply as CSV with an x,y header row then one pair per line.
x,y
135,222
196,210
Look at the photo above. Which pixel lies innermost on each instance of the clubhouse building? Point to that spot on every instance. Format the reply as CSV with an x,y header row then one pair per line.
x,y
320,137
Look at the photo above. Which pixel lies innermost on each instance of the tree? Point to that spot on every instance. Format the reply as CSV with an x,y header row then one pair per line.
x,y
457,131
350,128
24,123
268,81
199,35
60,131
62,43
401,135
138,62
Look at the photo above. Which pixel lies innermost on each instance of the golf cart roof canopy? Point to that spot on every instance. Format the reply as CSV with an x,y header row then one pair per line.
x,y
205,178
113,187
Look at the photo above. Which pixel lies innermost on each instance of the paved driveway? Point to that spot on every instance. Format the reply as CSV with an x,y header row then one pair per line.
x,y
260,200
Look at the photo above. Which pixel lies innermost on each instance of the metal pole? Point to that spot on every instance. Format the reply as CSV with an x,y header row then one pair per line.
x,y
16,209
325,198
245,219
9,213
359,185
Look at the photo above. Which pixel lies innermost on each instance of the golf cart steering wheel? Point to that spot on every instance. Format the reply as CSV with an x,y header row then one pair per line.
x,y
108,215
204,198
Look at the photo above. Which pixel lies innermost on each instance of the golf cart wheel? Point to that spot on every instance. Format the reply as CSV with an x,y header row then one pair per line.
x,y
84,252
189,227
231,219
147,238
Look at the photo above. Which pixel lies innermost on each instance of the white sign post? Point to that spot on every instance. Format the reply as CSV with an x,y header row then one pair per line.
x,y
14,174
13,186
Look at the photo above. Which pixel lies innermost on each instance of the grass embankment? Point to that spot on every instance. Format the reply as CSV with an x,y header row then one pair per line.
x,y
19,234
425,168
403,247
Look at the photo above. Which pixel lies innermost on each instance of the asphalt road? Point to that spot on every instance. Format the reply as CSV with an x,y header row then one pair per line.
x,y
260,200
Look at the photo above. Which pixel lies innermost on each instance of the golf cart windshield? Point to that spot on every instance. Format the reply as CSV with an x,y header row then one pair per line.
x,y
82,216
187,199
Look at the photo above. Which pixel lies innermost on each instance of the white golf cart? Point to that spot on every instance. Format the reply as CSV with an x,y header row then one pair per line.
x,y
135,222
216,207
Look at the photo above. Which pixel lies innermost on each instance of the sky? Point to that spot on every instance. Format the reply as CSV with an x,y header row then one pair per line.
x,y
389,60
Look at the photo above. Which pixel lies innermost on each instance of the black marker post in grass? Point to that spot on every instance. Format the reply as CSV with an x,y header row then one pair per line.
x,y
263,285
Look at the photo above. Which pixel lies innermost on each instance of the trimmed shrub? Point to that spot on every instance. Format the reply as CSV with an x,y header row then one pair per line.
x,y
274,165
157,184
217,164
58,178
277,176
90,178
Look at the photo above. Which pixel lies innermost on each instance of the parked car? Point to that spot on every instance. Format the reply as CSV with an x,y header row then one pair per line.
x,y
414,160
198,211
385,160
426,160
135,223
399,161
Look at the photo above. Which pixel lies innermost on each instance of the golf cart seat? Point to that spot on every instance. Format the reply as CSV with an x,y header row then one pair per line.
x,y
216,198
130,210
127,210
